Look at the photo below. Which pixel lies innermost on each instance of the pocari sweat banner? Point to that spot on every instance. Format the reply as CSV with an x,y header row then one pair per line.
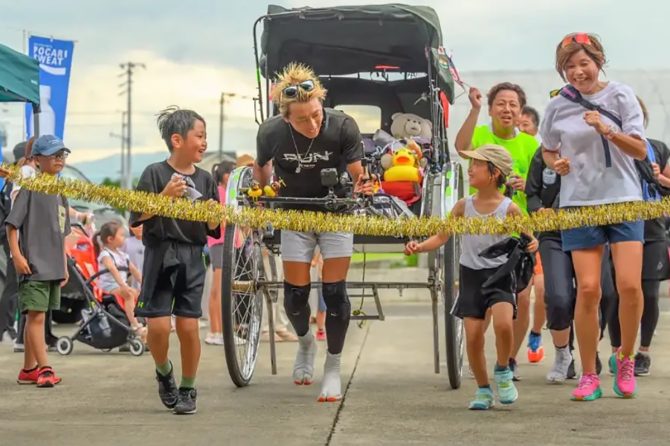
x,y
55,58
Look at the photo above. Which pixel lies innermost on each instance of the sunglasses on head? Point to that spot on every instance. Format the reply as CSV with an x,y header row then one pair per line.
x,y
292,90
581,38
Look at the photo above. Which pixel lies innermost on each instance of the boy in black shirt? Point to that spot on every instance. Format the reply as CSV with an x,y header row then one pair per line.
x,y
174,272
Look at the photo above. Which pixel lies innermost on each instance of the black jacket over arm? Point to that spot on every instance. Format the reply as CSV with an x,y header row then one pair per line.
x,y
539,194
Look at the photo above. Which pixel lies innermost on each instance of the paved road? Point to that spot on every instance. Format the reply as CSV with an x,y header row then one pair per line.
x,y
393,397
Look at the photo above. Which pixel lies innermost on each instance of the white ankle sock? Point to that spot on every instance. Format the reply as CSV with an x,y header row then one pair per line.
x,y
303,368
331,388
559,370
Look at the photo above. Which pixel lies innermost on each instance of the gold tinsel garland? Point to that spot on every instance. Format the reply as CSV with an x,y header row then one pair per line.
x,y
256,217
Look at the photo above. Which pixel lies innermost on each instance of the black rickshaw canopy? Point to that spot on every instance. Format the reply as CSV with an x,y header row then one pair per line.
x,y
347,40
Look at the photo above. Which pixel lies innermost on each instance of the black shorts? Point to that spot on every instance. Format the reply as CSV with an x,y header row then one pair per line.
x,y
173,278
474,300
655,261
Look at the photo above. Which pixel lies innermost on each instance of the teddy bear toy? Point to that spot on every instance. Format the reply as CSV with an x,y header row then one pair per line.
x,y
410,126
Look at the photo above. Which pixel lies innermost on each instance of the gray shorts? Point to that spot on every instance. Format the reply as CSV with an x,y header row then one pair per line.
x,y
216,255
299,246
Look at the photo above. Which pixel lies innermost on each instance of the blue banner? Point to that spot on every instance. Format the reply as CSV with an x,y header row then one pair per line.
x,y
55,58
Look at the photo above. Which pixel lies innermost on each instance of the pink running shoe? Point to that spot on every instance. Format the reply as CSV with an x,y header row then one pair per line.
x,y
588,388
624,371
320,335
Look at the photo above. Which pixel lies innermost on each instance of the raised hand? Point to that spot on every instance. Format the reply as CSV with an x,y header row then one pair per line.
x,y
475,97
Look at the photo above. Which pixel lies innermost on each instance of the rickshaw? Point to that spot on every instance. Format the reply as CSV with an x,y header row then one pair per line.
x,y
389,56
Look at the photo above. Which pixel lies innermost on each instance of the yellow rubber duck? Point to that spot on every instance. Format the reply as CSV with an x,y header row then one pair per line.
x,y
404,167
254,190
272,189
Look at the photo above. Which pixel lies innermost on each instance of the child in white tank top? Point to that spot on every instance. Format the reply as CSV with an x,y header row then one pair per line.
x,y
490,165
109,240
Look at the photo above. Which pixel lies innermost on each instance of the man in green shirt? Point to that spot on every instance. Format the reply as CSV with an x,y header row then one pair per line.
x,y
505,102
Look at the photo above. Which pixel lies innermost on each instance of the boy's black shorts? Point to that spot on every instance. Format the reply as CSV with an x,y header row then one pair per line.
x,y
474,300
173,278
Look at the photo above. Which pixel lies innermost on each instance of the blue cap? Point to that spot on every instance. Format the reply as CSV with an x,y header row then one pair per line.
x,y
47,145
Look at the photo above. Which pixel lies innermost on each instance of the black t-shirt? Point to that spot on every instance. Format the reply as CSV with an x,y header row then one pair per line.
x,y
158,229
654,230
338,144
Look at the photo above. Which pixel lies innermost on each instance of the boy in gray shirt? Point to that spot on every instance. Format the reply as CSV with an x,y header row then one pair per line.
x,y
36,230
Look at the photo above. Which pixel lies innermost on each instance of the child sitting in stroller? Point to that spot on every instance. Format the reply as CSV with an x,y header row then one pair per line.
x,y
108,241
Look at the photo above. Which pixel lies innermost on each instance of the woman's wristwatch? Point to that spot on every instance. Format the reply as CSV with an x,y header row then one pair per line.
x,y
611,131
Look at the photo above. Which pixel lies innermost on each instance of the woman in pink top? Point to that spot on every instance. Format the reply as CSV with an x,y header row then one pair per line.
x,y
220,173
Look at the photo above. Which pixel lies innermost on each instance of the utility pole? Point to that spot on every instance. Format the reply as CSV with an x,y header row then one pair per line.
x,y
124,143
123,139
225,95
128,84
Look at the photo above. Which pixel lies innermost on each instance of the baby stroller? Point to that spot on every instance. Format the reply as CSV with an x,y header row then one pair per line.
x,y
104,325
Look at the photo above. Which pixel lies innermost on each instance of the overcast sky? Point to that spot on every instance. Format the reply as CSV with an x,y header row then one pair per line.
x,y
194,50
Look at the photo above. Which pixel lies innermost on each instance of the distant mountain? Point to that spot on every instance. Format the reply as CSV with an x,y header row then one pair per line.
x,y
110,167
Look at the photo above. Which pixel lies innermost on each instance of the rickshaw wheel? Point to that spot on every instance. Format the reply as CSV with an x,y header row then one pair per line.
x,y
453,326
241,299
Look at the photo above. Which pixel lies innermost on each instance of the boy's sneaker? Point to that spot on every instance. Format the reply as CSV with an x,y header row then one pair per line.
x,y
642,364
167,388
47,378
514,367
588,388
507,392
559,372
624,370
535,348
186,401
18,347
28,376
483,399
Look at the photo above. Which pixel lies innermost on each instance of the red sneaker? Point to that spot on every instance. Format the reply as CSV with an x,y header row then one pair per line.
x,y
321,335
535,349
28,376
536,356
47,377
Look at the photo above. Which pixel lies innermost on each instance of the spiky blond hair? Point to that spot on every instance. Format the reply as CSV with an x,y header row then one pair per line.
x,y
293,74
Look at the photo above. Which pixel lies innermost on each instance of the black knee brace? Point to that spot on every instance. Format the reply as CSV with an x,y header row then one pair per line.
x,y
296,304
338,313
